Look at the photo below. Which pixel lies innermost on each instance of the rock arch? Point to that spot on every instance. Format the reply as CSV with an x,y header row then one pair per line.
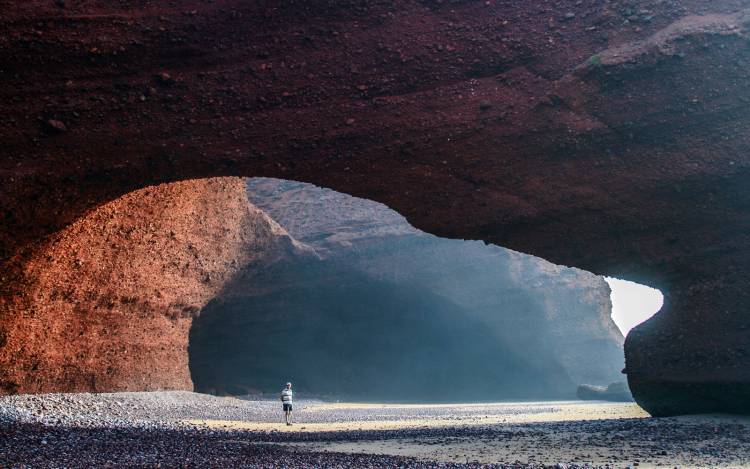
x,y
600,136
106,304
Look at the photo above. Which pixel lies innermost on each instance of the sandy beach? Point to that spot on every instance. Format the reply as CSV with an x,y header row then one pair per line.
x,y
366,416
178,429
593,433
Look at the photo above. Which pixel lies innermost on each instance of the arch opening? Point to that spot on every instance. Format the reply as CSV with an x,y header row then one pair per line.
x,y
366,307
632,303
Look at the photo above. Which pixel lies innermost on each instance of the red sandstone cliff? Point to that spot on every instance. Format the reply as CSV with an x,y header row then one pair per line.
x,y
107,303
611,136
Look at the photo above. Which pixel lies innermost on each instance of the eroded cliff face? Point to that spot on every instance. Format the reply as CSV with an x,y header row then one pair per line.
x,y
612,136
389,312
107,303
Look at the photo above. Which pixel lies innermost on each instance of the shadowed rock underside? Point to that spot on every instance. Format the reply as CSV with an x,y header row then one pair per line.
x,y
611,136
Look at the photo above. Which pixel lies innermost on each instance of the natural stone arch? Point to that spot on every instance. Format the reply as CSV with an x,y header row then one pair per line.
x,y
106,304
624,155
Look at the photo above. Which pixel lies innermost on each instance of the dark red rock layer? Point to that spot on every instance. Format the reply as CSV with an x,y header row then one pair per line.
x,y
106,304
611,136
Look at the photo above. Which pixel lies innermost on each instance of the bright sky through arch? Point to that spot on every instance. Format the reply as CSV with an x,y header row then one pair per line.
x,y
632,303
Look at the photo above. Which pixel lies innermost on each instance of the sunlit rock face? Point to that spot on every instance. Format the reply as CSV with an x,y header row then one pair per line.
x,y
388,312
107,303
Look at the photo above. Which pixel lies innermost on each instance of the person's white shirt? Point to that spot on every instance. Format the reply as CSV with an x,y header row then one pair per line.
x,y
286,396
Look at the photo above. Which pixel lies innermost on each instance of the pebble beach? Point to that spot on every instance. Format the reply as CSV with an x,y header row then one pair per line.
x,y
183,429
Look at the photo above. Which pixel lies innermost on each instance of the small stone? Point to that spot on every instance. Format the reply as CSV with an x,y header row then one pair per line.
x,y
164,78
56,126
569,16
350,121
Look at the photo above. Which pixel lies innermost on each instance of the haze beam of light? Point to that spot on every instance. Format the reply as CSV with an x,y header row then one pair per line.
x,y
632,303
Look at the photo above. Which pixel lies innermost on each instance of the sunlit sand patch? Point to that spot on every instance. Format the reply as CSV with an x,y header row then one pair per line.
x,y
597,433
459,415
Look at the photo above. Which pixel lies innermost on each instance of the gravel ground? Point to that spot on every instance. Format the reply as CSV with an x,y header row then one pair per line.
x,y
167,409
182,429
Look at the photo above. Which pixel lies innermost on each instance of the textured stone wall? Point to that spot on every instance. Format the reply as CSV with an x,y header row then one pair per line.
x,y
106,304
612,136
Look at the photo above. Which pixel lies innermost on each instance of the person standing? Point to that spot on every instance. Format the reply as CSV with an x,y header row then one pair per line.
x,y
286,401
